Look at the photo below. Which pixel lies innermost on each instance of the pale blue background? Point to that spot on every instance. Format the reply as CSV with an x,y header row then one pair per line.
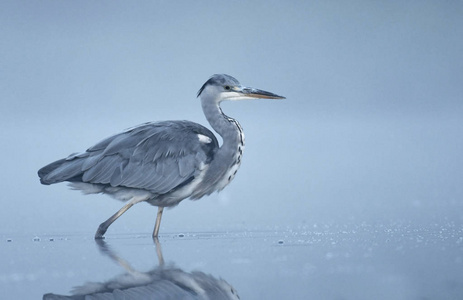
x,y
371,131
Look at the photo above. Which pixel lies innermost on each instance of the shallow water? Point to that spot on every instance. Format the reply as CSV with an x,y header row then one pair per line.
x,y
330,261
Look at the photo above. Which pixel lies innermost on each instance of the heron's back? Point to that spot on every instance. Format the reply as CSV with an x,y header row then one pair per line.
x,y
157,157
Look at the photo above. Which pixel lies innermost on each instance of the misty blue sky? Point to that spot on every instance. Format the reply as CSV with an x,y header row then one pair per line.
x,y
371,130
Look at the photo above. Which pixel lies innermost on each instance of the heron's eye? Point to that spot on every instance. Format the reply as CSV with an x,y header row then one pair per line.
x,y
227,87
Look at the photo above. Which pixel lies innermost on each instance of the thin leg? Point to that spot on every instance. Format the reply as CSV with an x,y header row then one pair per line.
x,y
104,226
158,222
106,250
159,251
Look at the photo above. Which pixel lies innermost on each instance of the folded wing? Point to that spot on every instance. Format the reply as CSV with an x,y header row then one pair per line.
x,y
157,157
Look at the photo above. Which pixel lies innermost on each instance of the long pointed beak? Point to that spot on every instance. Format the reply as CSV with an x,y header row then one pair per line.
x,y
256,93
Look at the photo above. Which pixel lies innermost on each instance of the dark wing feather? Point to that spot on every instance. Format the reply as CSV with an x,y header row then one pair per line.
x,y
154,156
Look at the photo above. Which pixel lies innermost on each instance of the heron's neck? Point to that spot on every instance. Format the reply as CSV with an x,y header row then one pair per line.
x,y
228,128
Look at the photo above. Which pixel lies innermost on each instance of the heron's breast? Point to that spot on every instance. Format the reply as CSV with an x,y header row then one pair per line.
x,y
233,169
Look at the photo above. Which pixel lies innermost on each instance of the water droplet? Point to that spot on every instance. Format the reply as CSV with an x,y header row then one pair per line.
x,y
36,239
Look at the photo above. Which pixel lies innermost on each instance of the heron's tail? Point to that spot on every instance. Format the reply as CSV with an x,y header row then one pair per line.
x,y
61,170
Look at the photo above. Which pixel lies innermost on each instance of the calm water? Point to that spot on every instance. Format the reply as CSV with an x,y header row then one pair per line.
x,y
383,261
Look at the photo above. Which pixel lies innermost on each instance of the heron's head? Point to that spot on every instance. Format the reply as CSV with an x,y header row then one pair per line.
x,y
224,87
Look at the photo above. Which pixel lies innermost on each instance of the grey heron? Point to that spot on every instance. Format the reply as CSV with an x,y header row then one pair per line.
x,y
164,162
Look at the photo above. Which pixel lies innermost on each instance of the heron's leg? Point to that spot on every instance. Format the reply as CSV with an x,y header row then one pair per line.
x,y
104,226
158,222
159,251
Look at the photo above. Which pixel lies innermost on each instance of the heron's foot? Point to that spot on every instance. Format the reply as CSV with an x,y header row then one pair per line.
x,y
101,231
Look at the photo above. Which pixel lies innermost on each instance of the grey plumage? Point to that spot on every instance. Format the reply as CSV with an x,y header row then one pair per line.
x,y
156,157
162,162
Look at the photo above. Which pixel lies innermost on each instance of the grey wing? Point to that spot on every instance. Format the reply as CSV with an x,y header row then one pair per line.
x,y
158,157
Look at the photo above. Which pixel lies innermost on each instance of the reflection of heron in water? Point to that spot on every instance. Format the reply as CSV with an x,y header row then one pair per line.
x,y
163,282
